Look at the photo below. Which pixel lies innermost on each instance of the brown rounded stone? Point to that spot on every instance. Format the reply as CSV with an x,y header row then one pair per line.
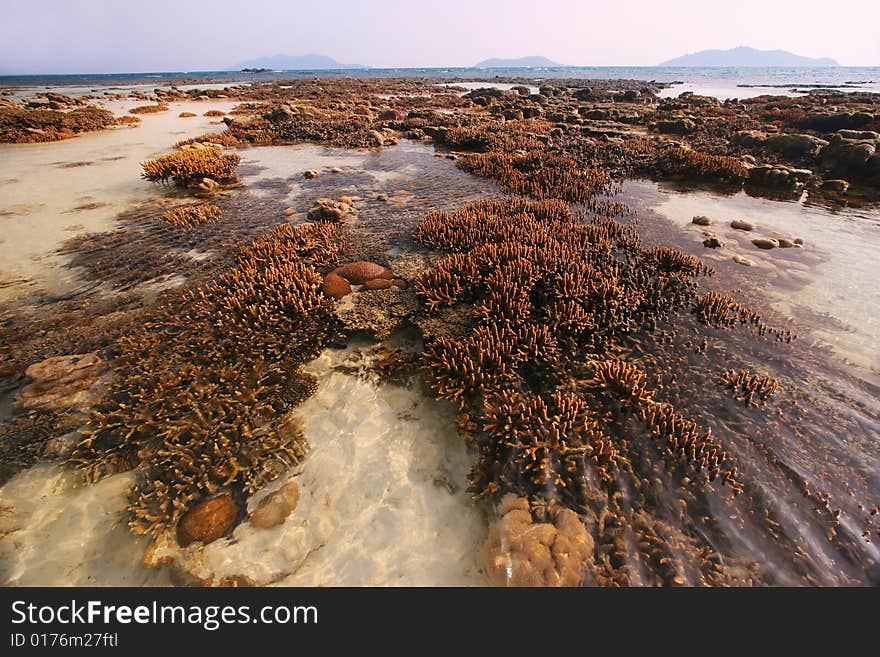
x,y
275,507
362,271
207,521
378,284
335,286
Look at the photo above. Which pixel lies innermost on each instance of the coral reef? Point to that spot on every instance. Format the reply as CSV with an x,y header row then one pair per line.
x,y
522,552
275,507
543,282
190,216
190,167
753,389
60,382
22,125
723,310
539,175
197,388
690,164
207,521
149,109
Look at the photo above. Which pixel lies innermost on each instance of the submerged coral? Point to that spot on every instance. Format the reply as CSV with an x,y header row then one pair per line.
x,y
197,389
190,216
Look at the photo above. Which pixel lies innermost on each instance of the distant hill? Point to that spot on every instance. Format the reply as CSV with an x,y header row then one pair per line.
x,y
521,62
745,56
310,62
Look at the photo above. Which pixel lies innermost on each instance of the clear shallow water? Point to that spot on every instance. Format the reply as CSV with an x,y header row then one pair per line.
x,y
828,285
381,502
50,192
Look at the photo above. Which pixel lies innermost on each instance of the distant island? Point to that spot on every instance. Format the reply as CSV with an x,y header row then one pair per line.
x,y
310,62
745,56
521,62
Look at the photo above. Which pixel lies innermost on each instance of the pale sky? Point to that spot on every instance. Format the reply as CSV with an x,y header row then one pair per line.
x,y
90,36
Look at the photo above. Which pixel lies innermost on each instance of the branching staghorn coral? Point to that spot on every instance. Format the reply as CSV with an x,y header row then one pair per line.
x,y
190,216
189,168
753,389
549,292
539,174
718,309
197,390
685,163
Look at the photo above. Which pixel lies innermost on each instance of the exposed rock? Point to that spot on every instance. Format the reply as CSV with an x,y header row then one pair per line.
x,y
765,243
60,382
701,220
362,271
335,286
309,174
795,146
740,224
209,185
522,552
798,241
784,243
675,126
861,135
778,175
851,159
379,312
835,185
326,209
207,521
712,243
276,507
743,261
748,138
289,212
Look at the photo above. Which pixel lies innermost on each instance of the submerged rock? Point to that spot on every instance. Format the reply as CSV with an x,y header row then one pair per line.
x,y
765,243
743,261
522,552
362,271
326,209
276,507
60,382
207,521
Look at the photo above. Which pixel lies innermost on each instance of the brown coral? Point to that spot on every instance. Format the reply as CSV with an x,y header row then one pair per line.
x,y
197,389
522,552
149,109
190,216
189,168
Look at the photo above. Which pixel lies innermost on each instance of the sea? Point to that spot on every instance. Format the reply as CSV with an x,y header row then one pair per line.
x,y
722,82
